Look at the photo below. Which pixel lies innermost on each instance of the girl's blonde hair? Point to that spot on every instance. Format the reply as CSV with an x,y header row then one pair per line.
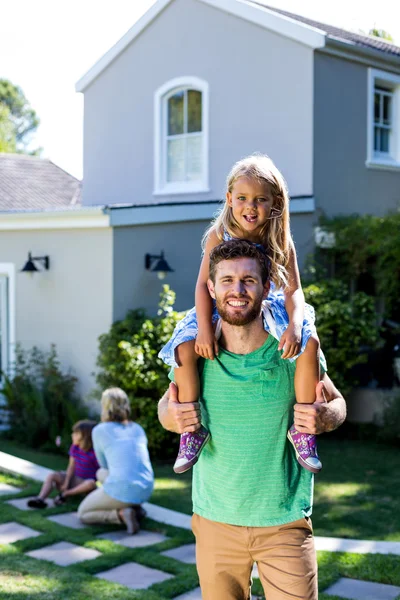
x,y
275,234
85,429
115,405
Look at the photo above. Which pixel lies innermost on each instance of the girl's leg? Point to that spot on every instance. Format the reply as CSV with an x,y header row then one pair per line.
x,y
305,382
51,481
188,383
86,486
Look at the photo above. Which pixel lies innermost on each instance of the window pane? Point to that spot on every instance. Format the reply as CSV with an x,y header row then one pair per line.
x,y
387,108
376,139
194,158
176,160
175,114
194,111
384,140
376,107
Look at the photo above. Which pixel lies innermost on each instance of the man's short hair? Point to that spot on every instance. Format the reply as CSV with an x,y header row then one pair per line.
x,y
232,249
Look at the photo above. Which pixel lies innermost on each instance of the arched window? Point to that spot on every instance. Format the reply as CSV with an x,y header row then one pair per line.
x,y
181,136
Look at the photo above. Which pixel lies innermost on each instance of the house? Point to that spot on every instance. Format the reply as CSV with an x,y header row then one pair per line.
x,y
192,87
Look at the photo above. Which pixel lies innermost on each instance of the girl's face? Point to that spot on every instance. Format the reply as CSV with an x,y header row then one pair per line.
x,y
251,202
76,437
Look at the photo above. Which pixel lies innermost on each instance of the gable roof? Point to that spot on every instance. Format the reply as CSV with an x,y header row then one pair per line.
x,y
306,31
32,183
364,41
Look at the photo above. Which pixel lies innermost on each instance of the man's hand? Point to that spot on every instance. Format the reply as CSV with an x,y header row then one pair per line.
x,y
176,417
324,415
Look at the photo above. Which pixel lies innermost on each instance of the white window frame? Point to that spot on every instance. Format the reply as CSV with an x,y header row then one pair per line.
x,y
382,160
8,271
161,186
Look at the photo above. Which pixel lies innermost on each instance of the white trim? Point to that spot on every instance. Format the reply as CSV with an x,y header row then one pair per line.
x,y
120,46
300,32
373,161
161,188
79,219
183,213
8,269
267,18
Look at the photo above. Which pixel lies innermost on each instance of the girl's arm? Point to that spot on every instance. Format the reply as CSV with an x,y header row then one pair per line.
x,y
69,474
206,344
294,304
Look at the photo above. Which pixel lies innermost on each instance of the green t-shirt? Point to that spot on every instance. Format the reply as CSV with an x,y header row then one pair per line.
x,y
247,473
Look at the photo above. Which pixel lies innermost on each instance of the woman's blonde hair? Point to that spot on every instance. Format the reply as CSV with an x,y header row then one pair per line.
x,y
115,405
275,234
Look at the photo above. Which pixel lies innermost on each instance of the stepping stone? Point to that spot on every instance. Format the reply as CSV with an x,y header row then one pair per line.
x,y
5,488
195,595
22,503
64,554
139,540
357,546
186,554
68,520
168,516
354,589
12,464
134,576
13,532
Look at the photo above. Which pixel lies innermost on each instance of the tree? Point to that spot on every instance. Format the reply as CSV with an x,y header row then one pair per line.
x,y
18,120
381,33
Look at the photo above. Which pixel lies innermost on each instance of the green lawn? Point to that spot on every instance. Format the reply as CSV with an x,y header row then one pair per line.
x,y
356,493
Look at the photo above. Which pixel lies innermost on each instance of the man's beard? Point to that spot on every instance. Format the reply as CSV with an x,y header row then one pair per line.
x,y
239,319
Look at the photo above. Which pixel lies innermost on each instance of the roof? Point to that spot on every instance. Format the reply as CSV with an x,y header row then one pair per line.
x,y
304,30
32,183
364,41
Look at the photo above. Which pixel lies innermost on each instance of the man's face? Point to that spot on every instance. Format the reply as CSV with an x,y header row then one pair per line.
x,y
238,290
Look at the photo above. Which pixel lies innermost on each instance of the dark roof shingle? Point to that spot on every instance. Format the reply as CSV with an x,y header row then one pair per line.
x,y
32,183
358,39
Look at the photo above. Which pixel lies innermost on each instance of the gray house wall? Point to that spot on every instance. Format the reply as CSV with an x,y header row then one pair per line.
x,y
342,182
260,93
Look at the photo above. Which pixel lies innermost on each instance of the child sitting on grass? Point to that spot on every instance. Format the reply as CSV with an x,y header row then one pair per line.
x,y
80,476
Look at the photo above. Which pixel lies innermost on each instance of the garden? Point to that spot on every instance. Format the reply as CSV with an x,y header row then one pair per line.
x,y
353,282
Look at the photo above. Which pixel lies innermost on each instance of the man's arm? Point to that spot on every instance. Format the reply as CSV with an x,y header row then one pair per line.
x,y
326,414
176,417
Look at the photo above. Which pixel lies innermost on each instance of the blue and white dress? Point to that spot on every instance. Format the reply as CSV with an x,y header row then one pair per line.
x,y
275,321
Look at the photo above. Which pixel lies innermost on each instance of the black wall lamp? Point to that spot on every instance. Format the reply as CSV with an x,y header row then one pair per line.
x,y
30,266
161,267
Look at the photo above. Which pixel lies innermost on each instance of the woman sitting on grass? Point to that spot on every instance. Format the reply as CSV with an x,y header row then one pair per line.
x,y
80,476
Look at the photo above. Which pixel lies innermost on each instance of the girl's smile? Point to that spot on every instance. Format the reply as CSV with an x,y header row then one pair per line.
x,y
251,202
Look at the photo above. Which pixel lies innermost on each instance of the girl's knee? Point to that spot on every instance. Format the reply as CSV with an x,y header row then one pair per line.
x,y
185,353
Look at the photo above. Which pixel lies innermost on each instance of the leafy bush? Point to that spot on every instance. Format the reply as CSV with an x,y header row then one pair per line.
x,y
367,248
389,430
128,359
346,328
41,399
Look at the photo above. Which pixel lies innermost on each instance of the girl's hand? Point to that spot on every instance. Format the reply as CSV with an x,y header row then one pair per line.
x,y
206,345
290,341
64,488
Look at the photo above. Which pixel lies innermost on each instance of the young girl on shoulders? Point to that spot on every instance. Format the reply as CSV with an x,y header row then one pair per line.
x,y
80,476
256,209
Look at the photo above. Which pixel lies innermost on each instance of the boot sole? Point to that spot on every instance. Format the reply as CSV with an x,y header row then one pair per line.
x,y
300,460
191,463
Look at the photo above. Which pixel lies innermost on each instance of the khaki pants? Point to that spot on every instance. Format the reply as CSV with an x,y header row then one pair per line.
x,y
285,556
99,507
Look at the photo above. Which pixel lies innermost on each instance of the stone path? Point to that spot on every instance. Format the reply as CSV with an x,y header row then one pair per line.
x,y
136,576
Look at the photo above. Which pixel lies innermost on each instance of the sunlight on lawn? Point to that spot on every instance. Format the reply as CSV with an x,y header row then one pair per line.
x,y
333,491
170,484
14,582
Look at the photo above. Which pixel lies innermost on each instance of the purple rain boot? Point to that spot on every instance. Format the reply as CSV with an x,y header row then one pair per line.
x,y
305,446
190,447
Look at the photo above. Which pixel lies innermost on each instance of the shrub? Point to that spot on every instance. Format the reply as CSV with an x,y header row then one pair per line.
x,y
41,399
346,327
128,359
389,432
